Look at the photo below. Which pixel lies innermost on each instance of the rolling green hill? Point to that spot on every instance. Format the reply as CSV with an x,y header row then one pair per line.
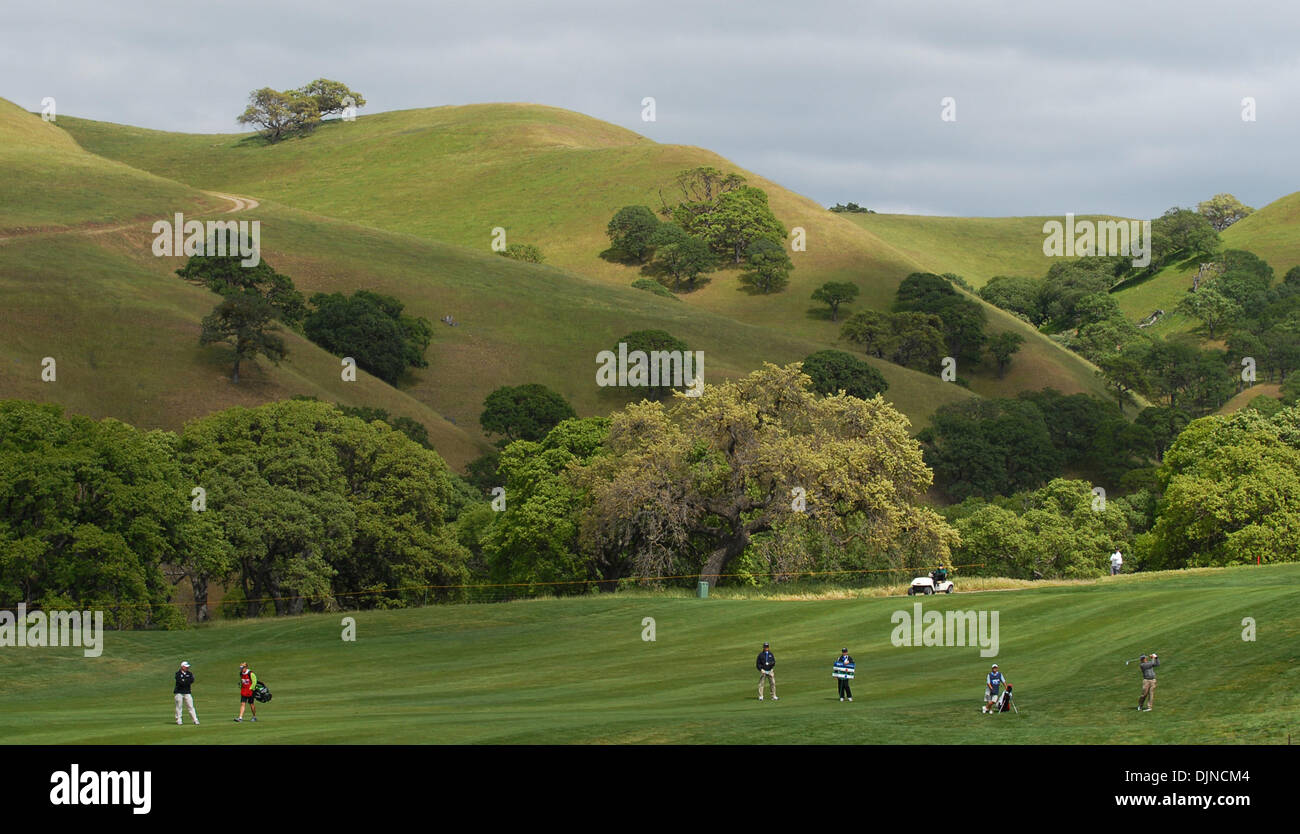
x,y
124,329
553,178
976,248
48,182
578,670
1272,232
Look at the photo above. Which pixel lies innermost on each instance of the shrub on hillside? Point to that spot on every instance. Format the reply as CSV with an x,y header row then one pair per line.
x,y
525,252
372,329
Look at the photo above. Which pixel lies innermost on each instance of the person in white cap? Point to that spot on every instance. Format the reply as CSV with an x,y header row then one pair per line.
x,y
181,692
766,664
1116,562
992,688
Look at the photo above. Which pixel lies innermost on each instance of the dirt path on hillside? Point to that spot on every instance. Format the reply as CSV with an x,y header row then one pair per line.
x,y
237,204
240,203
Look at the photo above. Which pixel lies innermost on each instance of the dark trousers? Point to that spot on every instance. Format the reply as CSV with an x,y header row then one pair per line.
x,y
845,691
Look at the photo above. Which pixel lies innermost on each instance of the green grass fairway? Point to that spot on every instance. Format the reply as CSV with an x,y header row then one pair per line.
x,y
577,670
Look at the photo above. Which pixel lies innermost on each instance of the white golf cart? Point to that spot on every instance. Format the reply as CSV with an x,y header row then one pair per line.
x,y
928,585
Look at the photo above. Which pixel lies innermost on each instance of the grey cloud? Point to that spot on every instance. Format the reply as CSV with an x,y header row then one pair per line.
x,y
1120,107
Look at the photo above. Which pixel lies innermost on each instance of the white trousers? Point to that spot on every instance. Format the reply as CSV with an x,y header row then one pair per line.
x,y
188,701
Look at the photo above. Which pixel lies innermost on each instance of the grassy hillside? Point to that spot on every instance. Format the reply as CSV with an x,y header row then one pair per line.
x,y
1243,399
552,178
128,347
577,670
1272,232
49,182
976,248
82,286
124,329
124,332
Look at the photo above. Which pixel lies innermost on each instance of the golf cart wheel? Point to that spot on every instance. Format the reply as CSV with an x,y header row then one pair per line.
x,y
948,590
911,591
929,591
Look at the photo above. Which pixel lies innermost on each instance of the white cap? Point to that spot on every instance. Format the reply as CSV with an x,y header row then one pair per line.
x,y
185,664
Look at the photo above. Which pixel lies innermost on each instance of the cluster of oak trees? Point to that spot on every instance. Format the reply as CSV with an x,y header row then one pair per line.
x,y
294,505
370,327
931,320
719,221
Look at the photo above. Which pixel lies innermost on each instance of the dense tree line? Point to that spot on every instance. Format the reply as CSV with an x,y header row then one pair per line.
x,y
294,504
700,485
304,508
930,320
992,447
1057,531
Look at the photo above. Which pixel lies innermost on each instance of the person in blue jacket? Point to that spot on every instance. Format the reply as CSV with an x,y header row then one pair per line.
x,y
993,688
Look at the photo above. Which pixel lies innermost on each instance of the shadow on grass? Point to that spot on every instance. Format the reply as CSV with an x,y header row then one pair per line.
x,y
824,314
1145,276
618,256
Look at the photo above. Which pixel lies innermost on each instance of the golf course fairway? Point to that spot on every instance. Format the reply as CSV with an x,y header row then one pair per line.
x,y
578,670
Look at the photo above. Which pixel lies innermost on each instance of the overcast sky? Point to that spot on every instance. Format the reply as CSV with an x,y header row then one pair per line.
x,y
1125,108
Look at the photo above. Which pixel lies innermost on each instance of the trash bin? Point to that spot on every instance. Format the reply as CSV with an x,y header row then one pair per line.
x,y
704,590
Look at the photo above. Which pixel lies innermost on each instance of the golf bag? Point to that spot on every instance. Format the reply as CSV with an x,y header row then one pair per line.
x,y
1004,704
261,693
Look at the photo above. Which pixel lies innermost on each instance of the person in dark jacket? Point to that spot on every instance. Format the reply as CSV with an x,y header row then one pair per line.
x,y
181,692
845,690
1148,664
765,663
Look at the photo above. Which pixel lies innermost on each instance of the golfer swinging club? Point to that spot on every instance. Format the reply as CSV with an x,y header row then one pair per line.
x,y
1148,664
992,686
766,661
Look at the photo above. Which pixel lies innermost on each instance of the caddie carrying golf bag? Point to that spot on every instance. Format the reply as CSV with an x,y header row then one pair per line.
x,y
261,693
1004,705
